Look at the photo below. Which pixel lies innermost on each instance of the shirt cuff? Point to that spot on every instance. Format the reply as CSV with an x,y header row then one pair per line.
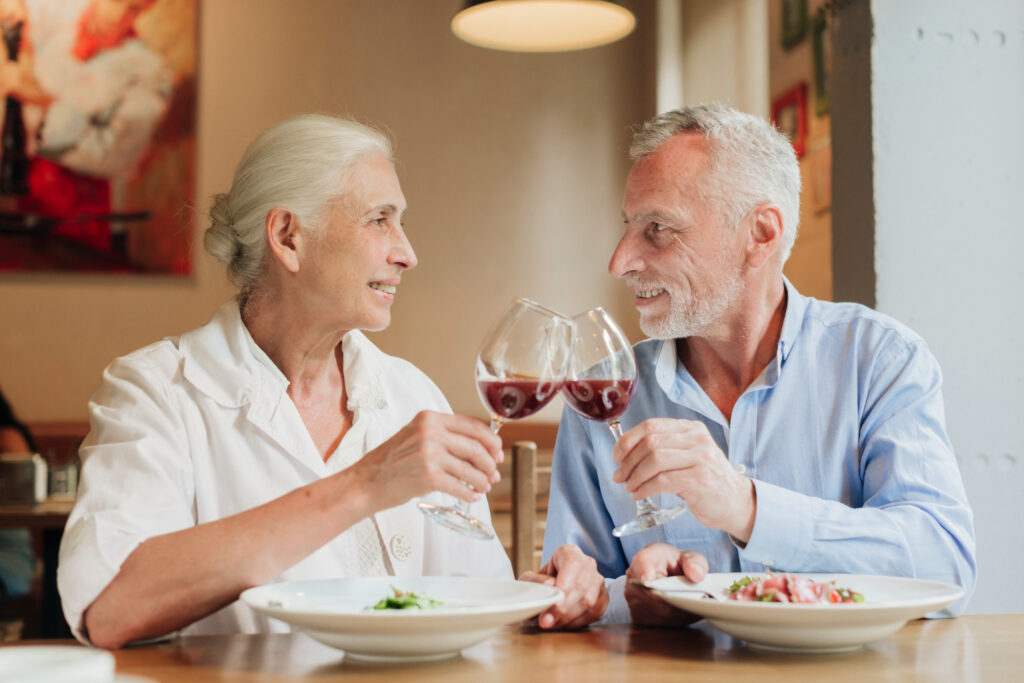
x,y
618,610
783,528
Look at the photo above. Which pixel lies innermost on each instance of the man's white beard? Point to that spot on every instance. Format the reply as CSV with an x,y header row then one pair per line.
x,y
692,317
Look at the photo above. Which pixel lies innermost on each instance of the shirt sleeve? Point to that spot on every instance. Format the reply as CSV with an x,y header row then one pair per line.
x,y
136,483
576,509
913,520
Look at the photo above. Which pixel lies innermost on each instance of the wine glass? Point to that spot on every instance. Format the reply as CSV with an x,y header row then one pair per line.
x,y
599,386
520,367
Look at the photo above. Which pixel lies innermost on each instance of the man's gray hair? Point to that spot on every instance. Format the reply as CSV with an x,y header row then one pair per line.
x,y
297,165
751,163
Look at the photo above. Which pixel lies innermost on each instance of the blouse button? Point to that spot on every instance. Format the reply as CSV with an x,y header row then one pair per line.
x,y
400,546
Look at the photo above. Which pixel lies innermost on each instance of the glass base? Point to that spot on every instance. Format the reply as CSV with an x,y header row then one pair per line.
x,y
647,519
456,520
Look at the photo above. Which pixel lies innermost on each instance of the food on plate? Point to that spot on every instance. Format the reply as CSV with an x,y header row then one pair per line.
x,y
406,600
790,588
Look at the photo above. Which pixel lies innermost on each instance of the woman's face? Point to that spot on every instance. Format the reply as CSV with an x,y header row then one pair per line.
x,y
356,262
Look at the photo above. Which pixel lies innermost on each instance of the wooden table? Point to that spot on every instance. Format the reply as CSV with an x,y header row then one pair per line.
x,y
971,648
49,517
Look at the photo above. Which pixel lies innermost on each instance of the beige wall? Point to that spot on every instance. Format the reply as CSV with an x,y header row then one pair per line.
x,y
512,164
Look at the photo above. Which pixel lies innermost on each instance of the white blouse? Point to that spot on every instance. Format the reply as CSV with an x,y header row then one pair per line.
x,y
196,428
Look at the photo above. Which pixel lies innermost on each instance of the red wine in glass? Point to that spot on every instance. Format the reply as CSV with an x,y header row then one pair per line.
x,y
603,400
514,399
599,386
519,369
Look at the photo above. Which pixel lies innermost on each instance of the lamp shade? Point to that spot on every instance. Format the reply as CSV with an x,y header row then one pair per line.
x,y
542,25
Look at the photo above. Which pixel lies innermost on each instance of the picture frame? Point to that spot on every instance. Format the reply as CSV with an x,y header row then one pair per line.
x,y
99,172
793,15
821,48
789,115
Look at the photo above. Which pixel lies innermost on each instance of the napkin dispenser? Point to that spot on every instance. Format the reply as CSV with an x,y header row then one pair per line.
x,y
23,479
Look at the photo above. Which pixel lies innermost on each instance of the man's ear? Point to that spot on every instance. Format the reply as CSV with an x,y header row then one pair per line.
x,y
283,238
765,233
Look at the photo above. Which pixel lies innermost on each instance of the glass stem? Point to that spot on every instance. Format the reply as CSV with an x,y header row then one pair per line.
x,y
644,506
461,505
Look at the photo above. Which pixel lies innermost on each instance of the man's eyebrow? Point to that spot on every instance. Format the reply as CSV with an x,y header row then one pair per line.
x,y
654,217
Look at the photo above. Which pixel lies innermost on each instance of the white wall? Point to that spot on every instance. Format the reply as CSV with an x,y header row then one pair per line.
x,y
947,99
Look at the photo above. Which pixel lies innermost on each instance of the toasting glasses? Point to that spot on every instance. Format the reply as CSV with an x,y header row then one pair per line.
x,y
599,386
521,364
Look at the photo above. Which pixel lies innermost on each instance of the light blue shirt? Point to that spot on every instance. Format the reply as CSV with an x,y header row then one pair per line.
x,y
843,435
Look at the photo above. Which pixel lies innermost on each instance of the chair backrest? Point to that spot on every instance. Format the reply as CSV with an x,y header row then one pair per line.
x,y
519,501
524,505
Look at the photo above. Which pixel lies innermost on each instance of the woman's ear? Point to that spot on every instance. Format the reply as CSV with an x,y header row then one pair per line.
x,y
765,235
283,238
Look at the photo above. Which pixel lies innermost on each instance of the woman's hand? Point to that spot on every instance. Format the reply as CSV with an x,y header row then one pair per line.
x,y
454,454
575,574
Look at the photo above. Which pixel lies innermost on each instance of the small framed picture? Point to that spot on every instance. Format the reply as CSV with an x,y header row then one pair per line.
x,y
794,22
789,114
821,47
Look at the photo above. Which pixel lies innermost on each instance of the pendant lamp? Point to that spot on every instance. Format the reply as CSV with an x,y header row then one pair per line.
x,y
542,25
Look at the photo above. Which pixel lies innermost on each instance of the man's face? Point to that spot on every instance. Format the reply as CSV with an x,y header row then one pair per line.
x,y
356,262
683,265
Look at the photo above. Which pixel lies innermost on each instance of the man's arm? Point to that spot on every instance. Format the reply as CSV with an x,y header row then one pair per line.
x,y
913,519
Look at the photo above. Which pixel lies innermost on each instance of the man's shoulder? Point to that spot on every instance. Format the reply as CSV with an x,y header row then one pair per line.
x,y
853,320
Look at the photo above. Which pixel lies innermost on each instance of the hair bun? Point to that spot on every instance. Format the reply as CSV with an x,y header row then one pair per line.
x,y
221,240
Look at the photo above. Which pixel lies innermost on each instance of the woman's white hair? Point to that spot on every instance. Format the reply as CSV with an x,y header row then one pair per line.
x,y
297,165
751,163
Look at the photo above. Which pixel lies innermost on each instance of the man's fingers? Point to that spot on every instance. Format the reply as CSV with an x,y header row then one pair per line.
x,y
694,565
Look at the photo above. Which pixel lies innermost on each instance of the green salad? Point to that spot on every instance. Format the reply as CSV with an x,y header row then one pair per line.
x,y
406,600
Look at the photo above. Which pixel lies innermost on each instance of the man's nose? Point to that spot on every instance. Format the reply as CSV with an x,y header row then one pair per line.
x,y
625,258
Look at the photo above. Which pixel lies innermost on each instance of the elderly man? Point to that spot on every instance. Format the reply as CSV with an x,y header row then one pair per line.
x,y
804,435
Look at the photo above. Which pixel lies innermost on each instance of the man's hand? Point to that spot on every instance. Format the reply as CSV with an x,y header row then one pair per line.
x,y
575,574
657,561
664,455
434,452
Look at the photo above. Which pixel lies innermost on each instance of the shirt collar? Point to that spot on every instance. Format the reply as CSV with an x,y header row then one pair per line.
x,y
796,308
225,362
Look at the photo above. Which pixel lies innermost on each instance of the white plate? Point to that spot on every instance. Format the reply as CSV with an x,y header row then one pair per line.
x,y
333,611
889,602
55,664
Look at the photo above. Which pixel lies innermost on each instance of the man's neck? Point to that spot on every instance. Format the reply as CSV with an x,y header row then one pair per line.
x,y
728,359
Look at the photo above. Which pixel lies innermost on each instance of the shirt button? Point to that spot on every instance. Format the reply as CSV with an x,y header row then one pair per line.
x,y
400,546
768,562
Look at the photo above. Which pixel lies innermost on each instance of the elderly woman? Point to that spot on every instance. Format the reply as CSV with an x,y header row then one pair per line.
x,y
276,442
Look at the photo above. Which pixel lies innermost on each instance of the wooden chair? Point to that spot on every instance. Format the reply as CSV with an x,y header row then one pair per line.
x,y
519,501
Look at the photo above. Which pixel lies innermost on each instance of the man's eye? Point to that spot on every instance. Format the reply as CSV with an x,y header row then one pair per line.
x,y
380,221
